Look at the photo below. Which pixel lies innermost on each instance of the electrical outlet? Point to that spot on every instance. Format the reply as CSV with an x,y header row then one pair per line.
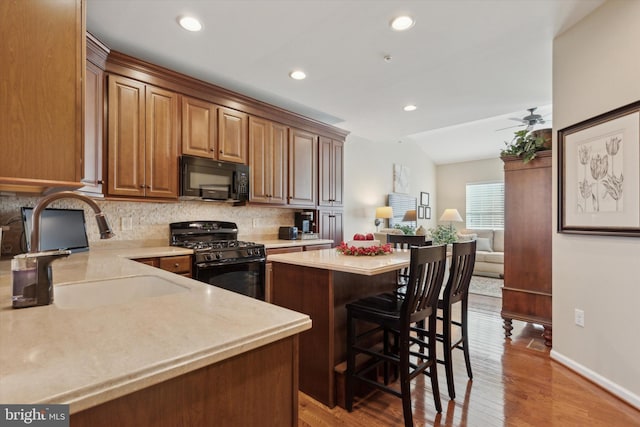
x,y
579,317
126,223
255,222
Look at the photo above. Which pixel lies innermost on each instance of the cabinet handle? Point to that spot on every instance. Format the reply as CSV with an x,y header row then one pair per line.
x,y
142,186
212,150
176,265
221,152
100,182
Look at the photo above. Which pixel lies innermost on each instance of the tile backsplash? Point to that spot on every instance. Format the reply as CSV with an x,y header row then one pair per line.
x,y
148,220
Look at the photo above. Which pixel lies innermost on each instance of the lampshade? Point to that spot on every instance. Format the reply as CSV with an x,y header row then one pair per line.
x,y
410,215
451,215
384,212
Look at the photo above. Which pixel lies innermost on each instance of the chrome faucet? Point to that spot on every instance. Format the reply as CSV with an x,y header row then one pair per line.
x,y
32,279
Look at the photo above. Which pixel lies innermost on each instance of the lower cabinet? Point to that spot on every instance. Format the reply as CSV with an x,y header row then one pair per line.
x,y
268,281
179,264
331,225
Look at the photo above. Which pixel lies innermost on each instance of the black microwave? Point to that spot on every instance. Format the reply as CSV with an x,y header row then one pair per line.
x,y
210,179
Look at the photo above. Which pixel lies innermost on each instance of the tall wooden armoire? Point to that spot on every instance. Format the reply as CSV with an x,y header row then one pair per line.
x,y
526,294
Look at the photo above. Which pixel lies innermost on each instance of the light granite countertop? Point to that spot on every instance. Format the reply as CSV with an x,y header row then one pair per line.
x,y
330,259
84,357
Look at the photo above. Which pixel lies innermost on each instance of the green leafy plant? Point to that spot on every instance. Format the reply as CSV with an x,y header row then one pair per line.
x,y
524,145
406,229
443,234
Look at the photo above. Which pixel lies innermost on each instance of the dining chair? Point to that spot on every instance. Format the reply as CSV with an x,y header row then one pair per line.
x,y
392,316
456,292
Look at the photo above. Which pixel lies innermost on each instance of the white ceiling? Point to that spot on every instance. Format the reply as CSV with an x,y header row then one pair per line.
x,y
469,65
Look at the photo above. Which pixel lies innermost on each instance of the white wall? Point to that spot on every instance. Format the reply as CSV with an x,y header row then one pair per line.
x,y
369,178
597,69
452,180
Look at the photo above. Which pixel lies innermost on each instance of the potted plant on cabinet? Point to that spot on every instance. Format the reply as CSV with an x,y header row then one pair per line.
x,y
526,144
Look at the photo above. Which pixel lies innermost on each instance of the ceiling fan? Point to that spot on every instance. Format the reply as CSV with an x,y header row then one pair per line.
x,y
529,120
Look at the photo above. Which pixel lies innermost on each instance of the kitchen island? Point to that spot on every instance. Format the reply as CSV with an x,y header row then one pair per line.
x,y
320,284
197,356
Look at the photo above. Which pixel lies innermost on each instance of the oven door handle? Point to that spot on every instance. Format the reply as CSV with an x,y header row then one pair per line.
x,y
235,262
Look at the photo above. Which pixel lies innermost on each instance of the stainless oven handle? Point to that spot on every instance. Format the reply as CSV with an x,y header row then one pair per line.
x,y
223,263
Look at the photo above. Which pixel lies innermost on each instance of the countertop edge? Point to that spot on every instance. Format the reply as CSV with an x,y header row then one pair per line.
x,y
81,399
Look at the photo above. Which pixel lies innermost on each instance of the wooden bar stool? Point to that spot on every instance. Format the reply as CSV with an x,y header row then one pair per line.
x,y
456,291
414,349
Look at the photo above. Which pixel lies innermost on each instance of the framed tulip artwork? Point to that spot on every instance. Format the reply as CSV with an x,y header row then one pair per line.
x,y
599,174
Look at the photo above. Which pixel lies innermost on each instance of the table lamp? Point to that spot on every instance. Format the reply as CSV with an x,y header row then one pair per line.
x,y
451,215
383,212
410,215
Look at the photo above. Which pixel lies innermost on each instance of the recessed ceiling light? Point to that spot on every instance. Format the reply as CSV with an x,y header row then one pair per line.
x,y
402,23
298,75
410,107
190,23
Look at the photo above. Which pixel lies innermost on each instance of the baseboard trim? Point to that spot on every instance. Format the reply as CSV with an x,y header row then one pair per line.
x,y
613,388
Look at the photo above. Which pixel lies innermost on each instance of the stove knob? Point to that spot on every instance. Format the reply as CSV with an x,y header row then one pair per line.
x,y
249,252
208,257
218,255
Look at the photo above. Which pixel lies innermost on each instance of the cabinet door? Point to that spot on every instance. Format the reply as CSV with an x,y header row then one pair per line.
x,y
42,101
199,123
331,172
331,225
93,129
232,135
303,167
279,163
259,160
126,150
161,148
268,161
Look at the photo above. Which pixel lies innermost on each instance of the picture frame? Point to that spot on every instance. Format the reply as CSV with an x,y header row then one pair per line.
x,y
424,198
598,174
427,212
420,212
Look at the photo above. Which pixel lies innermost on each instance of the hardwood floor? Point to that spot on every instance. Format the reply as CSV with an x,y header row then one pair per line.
x,y
515,384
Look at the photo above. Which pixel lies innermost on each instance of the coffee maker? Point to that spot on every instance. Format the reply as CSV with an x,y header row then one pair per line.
x,y
304,222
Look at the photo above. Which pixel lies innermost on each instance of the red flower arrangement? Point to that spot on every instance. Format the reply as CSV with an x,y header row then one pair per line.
x,y
345,249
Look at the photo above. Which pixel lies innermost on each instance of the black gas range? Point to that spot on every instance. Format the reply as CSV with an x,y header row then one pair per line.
x,y
220,259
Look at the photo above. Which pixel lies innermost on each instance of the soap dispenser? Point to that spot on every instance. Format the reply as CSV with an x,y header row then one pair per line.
x,y
32,278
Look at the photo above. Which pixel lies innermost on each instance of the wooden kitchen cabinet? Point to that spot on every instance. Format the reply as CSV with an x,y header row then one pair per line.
x,y
526,294
199,128
303,168
268,280
331,171
42,107
94,117
268,156
143,140
331,225
178,264
232,135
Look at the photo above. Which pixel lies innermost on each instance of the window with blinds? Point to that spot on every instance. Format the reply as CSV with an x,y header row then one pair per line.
x,y
485,205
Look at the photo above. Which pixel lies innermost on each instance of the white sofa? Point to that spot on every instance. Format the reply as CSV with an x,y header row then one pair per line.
x,y
489,251
382,234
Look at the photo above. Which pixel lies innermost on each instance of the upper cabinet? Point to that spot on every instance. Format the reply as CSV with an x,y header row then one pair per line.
x,y
331,172
199,126
268,146
143,140
94,117
303,168
232,135
214,132
42,106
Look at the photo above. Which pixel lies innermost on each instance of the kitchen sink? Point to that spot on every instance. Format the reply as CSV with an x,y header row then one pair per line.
x,y
119,290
